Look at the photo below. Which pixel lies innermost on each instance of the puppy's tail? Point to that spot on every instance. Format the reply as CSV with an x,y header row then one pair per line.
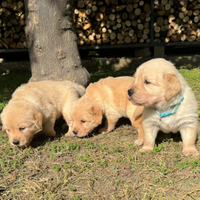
x,y
81,90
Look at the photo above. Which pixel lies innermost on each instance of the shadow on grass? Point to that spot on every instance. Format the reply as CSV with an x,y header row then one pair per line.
x,y
41,139
161,137
10,79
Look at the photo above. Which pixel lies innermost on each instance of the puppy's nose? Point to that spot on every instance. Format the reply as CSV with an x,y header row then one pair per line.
x,y
16,142
75,132
130,92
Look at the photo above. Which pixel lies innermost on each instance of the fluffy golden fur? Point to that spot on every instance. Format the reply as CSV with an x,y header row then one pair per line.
x,y
158,85
36,106
107,97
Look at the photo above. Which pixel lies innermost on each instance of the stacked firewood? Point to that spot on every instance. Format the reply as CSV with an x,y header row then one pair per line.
x,y
12,23
176,20
112,21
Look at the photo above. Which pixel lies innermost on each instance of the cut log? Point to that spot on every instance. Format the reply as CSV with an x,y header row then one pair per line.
x,y
147,7
137,11
127,40
99,16
113,36
81,4
160,21
129,8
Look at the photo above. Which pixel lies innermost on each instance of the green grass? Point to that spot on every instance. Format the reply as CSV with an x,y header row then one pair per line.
x,y
101,167
193,78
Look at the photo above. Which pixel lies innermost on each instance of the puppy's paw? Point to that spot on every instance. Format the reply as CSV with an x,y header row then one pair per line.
x,y
103,130
145,149
138,142
188,152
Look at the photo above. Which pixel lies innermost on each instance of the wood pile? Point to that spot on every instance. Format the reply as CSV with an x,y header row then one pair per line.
x,y
176,20
112,21
12,24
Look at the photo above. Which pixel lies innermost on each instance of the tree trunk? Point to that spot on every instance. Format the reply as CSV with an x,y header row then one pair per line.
x,y
52,42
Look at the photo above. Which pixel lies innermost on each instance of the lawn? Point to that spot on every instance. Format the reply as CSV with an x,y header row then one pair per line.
x,y
98,167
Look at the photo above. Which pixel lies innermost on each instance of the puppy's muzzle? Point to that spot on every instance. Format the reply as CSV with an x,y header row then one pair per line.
x,y
16,142
130,92
75,132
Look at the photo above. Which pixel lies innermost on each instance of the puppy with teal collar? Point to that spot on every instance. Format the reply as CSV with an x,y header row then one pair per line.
x,y
170,105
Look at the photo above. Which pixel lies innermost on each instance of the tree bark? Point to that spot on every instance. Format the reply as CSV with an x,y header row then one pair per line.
x,y
52,42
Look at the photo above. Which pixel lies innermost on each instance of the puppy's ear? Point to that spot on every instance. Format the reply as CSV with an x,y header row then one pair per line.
x,y
172,85
38,120
3,129
96,112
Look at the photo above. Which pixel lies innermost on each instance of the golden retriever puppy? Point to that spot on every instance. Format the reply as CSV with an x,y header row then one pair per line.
x,y
106,97
169,103
36,106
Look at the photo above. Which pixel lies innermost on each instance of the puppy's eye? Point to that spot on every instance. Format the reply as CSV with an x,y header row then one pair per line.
x,y
82,121
22,128
147,82
8,130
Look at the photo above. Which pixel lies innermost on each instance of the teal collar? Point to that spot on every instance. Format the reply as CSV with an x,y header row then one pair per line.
x,y
172,111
